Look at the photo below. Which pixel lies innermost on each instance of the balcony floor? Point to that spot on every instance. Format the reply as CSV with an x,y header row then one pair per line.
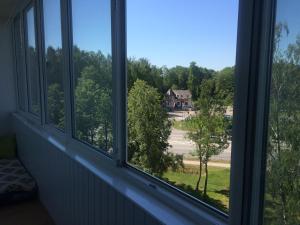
x,y
26,213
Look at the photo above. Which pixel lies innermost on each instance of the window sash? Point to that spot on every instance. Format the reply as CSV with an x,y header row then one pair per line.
x,y
254,37
19,57
253,69
47,121
32,6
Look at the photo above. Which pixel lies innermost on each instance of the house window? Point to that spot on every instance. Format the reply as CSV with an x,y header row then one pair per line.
x,y
20,73
92,72
53,56
188,150
282,184
32,69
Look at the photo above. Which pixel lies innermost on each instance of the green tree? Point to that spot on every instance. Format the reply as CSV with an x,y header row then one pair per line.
x,y
142,69
56,105
208,128
197,128
225,85
283,152
55,83
195,78
93,110
149,129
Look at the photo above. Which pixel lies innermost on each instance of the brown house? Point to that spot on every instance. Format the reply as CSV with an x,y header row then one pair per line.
x,y
178,99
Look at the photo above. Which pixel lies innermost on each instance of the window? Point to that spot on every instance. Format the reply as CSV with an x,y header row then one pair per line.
x,y
282,184
19,49
92,69
54,64
179,49
32,69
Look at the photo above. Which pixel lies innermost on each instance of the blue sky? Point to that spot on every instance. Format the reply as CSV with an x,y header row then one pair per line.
x,y
167,32
176,32
52,23
289,14
91,25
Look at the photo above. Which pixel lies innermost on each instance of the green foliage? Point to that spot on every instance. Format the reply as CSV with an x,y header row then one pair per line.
x,y
196,76
208,127
149,129
141,69
225,85
283,153
93,111
162,79
176,78
33,79
56,105
93,98
55,84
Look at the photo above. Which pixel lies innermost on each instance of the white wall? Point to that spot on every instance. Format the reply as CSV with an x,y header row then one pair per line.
x,y
72,193
7,89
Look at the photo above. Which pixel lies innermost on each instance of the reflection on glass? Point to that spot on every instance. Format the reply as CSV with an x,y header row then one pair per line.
x,y
180,93
32,63
282,188
92,66
19,62
54,64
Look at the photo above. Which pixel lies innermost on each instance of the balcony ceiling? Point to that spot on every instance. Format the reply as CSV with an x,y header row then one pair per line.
x,y
7,8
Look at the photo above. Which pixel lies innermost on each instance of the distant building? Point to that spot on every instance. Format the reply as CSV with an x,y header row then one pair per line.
x,y
178,99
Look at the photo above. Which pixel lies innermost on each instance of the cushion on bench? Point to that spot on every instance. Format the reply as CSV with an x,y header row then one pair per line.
x,y
8,147
15,182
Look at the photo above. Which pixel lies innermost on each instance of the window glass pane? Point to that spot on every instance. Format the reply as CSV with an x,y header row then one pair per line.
x,y
92,65
54,64
19,49
282,193
181,58
32,63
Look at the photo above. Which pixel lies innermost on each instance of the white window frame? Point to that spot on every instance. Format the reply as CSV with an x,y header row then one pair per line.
x,y
255,30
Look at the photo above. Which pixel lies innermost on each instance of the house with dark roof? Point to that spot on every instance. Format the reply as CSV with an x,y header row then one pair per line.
x,y
178,99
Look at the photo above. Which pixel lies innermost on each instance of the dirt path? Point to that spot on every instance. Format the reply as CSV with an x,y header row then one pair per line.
x,y
216,164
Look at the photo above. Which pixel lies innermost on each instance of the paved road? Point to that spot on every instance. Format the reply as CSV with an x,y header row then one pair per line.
x,y
215,164
181,145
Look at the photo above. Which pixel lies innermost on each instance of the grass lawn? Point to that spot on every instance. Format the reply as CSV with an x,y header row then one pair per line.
x,y
218,184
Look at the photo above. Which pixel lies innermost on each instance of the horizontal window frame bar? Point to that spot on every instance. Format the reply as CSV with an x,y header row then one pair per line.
x,y
156,182
92,160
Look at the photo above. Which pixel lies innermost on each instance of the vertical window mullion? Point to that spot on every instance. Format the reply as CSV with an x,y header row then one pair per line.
x,y
40,50
119,80
23,63
32,61
67,50
261,130
239,170
249,129
17,61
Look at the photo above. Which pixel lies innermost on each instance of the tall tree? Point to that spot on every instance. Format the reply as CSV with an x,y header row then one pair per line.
x,y
225,85
208,128
142,69
149,129
56,106
283,152
93,99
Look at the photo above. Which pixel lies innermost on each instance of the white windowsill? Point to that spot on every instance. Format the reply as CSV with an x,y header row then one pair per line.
x,y
167,207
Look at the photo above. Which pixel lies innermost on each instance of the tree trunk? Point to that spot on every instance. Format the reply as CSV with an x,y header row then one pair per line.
x,y
200,175
106,136
206,179
283,207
